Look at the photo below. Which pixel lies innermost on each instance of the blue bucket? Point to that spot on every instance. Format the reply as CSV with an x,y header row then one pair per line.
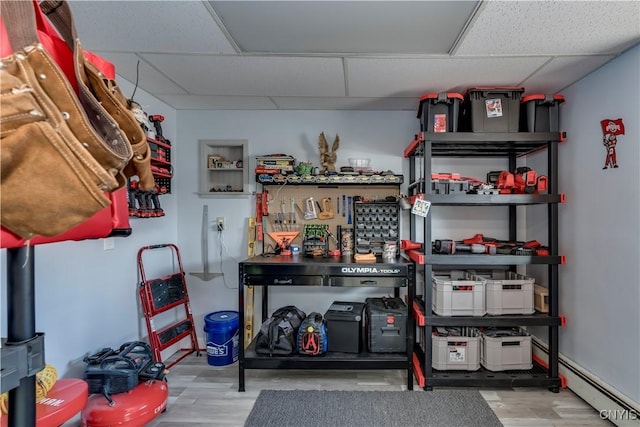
x,y
222,337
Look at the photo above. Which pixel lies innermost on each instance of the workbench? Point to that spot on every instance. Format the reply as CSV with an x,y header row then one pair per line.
x,y
299,270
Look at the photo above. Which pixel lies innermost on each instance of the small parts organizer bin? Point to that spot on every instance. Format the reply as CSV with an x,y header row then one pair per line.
x,y
506,292
455,295
456,348
438,112
491,109
505,349
376,223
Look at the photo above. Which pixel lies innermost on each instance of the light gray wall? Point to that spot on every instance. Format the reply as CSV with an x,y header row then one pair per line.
x,y
379,135
600,226
86,297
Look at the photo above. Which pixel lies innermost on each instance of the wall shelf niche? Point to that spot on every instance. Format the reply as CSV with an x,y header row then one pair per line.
x,y
223,166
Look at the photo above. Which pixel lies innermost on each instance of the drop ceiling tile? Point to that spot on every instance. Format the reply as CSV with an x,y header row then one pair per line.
x,y
344,103
344,26
561,72
253,75
198,102
148,26
148,77
552,27
414,77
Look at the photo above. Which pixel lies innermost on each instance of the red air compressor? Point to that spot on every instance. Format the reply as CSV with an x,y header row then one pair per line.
x,y
133,408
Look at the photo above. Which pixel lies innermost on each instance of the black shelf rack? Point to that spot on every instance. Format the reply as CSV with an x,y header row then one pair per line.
x,y
537,376
537,319
469,144
280,271
330,360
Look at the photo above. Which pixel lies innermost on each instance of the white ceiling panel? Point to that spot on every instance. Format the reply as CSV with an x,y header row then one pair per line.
x,y
198,102
414,77
148,77
148,26
252,75
344,103
344,26
553,27
357,54
561,72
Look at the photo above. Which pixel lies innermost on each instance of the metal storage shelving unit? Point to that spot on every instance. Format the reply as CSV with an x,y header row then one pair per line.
x,y
469,144
267,272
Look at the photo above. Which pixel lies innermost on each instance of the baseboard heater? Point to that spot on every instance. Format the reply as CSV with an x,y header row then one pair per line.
x,y
610,403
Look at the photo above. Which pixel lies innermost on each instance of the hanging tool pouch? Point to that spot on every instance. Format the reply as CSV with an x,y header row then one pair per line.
x,y
112,371
277,336
312,335
67,165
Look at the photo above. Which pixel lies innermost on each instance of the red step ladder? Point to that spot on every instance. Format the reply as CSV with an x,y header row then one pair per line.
x,y
160,295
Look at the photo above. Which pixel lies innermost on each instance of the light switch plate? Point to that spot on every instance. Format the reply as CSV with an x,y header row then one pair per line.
x,y
109,243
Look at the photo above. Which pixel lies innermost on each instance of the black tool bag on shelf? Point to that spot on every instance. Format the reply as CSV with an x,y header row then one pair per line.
x,y
278,334
112,371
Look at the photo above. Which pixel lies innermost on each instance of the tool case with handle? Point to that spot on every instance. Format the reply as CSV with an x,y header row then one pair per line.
x,y
385,324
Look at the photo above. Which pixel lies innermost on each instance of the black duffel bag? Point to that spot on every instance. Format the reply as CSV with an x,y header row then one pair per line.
x,y
279,332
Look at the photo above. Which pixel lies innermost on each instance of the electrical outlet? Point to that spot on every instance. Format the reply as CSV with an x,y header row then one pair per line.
x,y
220,223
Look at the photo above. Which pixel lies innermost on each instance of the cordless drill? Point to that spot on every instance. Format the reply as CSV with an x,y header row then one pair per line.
x,y
156,119
157,210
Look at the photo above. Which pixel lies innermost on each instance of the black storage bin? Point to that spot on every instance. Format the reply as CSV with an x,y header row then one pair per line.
x,y
540,113
386,320
492,109
344,326
438,112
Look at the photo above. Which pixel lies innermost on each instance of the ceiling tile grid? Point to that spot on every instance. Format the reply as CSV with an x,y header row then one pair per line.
x,y
355,27
134,68
561,72
253,75
350,55
344,103
552,27
148,26
206,102
414,77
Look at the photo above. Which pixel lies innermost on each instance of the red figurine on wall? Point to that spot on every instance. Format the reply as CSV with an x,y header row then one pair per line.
x,y
610,131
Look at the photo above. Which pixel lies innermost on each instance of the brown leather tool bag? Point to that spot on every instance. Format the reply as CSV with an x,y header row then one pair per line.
x,y
97,92
50,181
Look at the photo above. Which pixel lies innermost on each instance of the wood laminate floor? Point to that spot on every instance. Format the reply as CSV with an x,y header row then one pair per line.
x,y
203,395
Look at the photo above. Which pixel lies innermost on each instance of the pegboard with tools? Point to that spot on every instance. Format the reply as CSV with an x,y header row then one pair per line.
x,y
287,209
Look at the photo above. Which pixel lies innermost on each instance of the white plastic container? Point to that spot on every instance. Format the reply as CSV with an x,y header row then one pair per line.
x,y
505,349
507,292
456,349
541,298
453,295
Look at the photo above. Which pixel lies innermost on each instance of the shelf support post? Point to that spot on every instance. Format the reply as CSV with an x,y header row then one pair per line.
x,y
21,327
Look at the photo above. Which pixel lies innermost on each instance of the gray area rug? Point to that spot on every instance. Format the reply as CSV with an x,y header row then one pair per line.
x,y
327,408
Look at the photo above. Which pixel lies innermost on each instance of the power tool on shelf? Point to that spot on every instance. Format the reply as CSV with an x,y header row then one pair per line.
x,y
524,181
156,120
